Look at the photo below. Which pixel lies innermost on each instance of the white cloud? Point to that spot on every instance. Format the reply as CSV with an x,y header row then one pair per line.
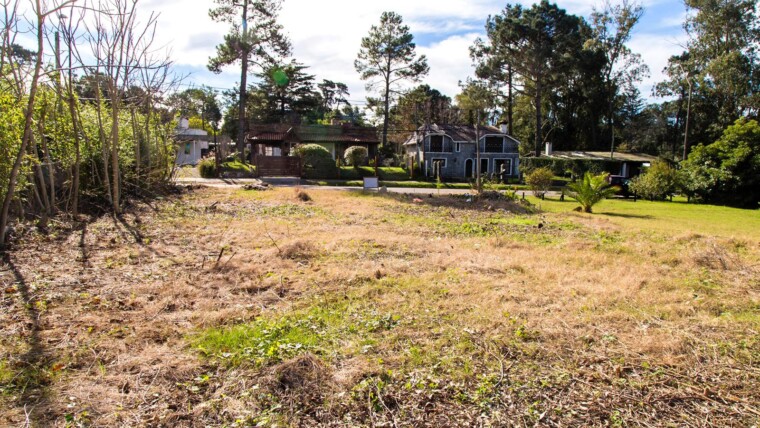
x,y
326,36
655,50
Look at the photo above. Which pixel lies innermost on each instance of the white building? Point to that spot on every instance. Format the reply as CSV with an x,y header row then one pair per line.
x,y
192,144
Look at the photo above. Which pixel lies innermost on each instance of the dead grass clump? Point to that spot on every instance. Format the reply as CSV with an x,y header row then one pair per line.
x,y
716,257
301,384
304,372
301,195
299,250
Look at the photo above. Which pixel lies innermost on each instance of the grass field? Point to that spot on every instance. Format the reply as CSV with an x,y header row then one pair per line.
x,y
238,308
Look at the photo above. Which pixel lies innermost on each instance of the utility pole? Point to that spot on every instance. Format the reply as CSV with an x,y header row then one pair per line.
x,y
686,128
477,151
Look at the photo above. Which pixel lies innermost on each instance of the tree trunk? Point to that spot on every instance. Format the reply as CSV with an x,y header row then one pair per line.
x,y
242,128
510,102
102,137
387,102
538,98
28,113
115,184
136,136
77,152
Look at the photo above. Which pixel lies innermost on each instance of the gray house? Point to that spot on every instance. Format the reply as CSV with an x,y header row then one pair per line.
x,y
451,148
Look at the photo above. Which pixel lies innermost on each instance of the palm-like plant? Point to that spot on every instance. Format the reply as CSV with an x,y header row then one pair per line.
x,y
590,189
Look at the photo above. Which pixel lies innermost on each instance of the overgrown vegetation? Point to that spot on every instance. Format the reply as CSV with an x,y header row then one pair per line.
x,y
539,181
292,313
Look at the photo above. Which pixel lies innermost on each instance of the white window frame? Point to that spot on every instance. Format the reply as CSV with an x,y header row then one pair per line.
x,y
458,147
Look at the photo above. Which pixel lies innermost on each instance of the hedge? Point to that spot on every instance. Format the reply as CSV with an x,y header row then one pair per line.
x,y
570,167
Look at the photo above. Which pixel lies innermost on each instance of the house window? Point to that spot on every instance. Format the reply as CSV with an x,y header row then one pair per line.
x,y
504,165
188,148
459,147
494,145
273,151
436,143
484,166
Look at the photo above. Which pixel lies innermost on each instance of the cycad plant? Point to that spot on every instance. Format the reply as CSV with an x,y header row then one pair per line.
x,y
590,189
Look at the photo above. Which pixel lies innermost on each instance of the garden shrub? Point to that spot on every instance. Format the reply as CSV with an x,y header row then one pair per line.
x,y
539,180
355,156
207,168
317,161
658,182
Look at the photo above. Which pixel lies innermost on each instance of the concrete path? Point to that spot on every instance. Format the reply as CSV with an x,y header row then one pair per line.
x,y
296,182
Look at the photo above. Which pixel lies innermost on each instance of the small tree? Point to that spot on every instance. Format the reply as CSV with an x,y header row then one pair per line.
x,y
658,182
589,190
539,180
355,156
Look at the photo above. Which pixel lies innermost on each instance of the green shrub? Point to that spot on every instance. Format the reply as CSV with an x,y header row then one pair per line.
x,y
355,156
658,182
207,168
539,180
589,190
728,170
317,161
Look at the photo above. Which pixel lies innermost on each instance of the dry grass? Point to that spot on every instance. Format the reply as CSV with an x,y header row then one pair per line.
x,y
237,308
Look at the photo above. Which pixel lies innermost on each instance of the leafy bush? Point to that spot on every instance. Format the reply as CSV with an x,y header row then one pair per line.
x,y
317,161
658,182
207,168
589,190
539,180
728,170
569,167
355,156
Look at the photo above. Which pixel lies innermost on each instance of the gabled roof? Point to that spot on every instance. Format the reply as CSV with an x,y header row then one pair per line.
x,y
458,133
278,133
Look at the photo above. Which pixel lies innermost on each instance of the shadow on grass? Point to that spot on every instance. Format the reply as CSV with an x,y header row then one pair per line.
x,y
31,379
641,216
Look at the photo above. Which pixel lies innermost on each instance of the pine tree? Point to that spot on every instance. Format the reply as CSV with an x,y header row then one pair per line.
x,y
387,58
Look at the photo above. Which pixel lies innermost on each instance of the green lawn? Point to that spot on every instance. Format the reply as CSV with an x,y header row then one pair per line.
x,y
237,166
677,216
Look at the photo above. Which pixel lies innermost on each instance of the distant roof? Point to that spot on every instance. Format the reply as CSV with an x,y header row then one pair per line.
x,y
278,133
630,157
458,133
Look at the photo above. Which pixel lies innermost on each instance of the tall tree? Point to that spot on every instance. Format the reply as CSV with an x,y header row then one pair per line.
x,y
612,28
285,90
255,39
538,45
724,36
386,58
